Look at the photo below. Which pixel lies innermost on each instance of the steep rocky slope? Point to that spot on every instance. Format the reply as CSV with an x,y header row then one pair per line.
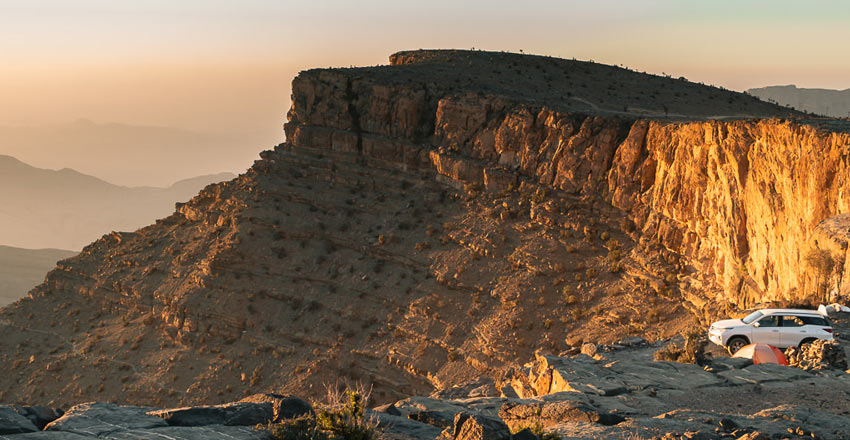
x,y
433,221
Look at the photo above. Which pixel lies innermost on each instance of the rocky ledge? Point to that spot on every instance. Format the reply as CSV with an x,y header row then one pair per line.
x,y
614,394
236,420
620,395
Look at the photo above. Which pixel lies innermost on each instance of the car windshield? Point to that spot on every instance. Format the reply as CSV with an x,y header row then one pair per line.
x,y
752,317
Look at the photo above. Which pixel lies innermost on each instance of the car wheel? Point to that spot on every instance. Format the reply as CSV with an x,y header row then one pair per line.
x,y
806,342
735,344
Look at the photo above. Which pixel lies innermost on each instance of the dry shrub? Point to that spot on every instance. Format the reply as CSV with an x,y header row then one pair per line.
x,y
693,351
341,416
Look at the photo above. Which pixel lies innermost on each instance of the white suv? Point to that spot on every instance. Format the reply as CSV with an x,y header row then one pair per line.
x,y
778,327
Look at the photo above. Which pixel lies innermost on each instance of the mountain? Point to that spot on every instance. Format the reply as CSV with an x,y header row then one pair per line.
x,y
130,155
23,269
66,209
440,219
834,103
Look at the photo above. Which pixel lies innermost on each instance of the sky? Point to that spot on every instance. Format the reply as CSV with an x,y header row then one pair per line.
x,y
216,67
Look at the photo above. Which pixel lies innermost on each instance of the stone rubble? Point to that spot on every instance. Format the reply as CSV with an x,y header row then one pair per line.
x,y
818,355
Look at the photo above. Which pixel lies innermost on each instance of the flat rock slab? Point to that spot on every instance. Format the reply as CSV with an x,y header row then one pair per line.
x,y
97,419
762,373
622,376
724,363
587,379
210,432
594,431
824,424
402,428
47,435
13,423
664,375
431,411
230,414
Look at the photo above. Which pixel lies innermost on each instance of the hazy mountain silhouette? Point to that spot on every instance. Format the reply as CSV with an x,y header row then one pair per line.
x,y
131,155
66,209
835,103
23,269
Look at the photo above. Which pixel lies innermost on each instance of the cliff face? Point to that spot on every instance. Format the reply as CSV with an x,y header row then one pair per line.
x,y
434,221
738,199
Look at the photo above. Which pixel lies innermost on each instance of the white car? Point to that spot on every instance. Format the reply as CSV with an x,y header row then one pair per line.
x,y
778,327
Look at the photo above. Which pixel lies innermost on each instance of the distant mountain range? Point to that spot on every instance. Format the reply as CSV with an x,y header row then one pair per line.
x,y
65,209
131,155
23,269
835,103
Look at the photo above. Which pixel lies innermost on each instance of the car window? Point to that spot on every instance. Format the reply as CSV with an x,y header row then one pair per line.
x,y
792,321
769,321
815,320
752,317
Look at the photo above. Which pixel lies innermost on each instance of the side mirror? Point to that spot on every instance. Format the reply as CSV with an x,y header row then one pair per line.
x,y
756,324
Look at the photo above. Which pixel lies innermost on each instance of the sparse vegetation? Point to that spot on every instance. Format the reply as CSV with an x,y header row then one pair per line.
x,y
693,351
340,418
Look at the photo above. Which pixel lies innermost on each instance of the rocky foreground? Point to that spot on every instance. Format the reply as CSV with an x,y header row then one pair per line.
x,y
614,394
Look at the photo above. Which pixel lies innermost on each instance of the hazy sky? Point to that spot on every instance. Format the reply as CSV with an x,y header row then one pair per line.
x,y
216,66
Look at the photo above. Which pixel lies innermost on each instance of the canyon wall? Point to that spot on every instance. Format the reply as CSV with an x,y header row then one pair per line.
x,y
738,199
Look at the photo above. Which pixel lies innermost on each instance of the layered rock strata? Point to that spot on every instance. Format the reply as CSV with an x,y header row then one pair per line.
x,y
738,200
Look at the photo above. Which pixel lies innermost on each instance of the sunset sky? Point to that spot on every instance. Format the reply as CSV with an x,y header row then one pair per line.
x,y
224,67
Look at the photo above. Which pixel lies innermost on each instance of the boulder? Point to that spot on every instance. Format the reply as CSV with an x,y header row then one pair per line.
x,y
388,409
13,423
468,426
518,415
230,414
101,418
284,407
589,349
